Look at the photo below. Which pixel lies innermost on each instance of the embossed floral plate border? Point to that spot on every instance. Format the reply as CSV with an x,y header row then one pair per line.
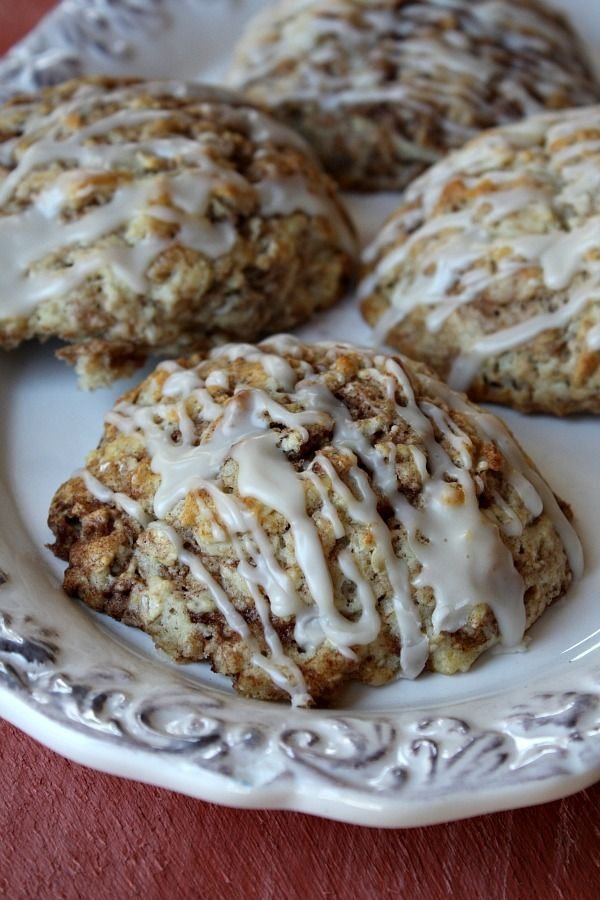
x,y
513,732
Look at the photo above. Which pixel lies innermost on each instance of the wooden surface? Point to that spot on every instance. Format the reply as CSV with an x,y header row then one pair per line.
x,y
17,17
70,833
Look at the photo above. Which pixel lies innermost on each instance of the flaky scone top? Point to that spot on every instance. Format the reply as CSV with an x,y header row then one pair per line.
x,y
161,216
490,268
306,515
383,88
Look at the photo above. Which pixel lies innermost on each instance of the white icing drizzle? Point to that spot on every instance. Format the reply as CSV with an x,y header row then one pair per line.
x,y
542,217
105,495
363,509
218,378
292,681
464,561
458,551
593,338
531,487
265,571
346,53
281,374
327,507
265,474
182,197
512,525
263,578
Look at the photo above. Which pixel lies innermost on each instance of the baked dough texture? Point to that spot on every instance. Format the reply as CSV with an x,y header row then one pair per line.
x,y
302,516
490,268
159,217
384,88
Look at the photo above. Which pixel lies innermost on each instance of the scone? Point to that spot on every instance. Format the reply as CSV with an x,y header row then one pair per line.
x,y
490,269
159,217
303,515
383,88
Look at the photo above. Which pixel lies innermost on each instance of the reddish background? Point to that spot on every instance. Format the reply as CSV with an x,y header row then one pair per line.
x,y
68,832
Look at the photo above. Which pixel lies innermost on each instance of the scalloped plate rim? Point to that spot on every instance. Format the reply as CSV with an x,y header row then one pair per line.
x,y
349,810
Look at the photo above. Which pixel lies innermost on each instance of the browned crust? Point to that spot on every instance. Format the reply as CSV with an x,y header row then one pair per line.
x,y
381,144
124,570
279,271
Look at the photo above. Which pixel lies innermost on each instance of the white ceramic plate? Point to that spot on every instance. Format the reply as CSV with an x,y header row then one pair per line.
x,y
515,730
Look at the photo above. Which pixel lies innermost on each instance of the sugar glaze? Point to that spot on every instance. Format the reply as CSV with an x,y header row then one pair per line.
x,y
459,549
444,59
37,240
453,249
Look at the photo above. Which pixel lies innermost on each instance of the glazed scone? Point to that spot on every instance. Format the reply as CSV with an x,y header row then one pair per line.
x,y
490,269
304,515
382,88
159,217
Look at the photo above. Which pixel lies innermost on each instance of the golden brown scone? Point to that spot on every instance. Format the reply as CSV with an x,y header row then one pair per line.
x,y
306,515
159,217
490,269
383,88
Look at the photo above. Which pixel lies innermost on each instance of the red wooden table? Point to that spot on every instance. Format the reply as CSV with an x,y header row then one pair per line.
x,y
68,832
